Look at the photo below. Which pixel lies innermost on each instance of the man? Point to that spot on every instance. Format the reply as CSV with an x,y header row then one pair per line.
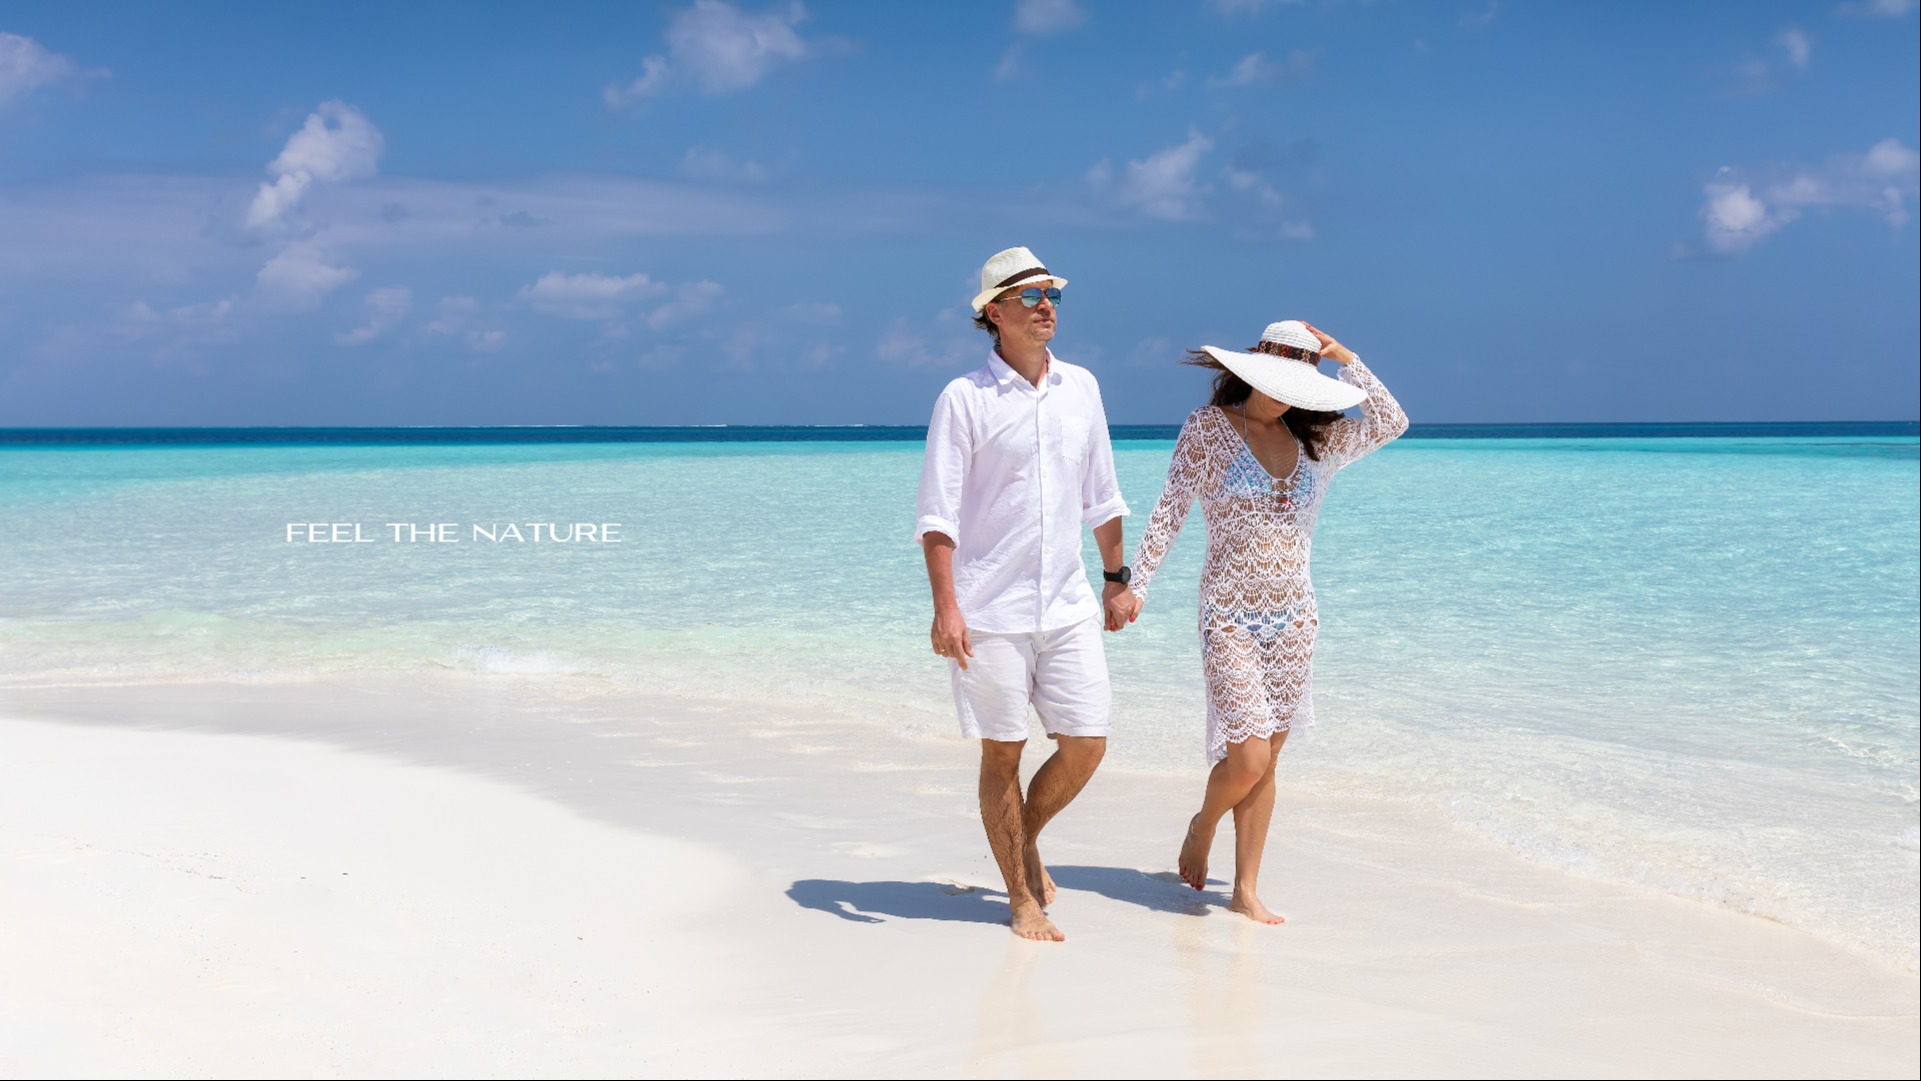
x,y
1017,459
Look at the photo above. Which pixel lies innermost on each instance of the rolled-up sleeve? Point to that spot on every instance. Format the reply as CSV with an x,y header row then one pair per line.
x,y
1101,500
943,471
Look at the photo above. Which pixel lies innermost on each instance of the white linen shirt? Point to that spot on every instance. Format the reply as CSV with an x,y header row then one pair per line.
x,y
1012,472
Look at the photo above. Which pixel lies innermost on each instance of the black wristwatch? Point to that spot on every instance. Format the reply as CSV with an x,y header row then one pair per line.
x,y
1123,576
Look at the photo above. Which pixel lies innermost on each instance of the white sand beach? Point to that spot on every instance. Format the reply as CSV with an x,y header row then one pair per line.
x,y
493,877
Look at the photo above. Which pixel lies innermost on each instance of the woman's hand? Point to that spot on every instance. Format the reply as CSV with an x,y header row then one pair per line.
x,y
1330,348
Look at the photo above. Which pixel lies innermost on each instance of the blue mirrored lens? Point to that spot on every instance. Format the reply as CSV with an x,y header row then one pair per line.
x,y
1031,298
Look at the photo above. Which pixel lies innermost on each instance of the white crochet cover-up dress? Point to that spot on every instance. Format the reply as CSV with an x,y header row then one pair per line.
x,y
1258,620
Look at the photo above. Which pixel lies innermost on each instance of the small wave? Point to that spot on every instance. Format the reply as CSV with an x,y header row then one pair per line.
x,y
497,660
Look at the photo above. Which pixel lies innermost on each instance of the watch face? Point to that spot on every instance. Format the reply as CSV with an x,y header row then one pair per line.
x,y
1123,576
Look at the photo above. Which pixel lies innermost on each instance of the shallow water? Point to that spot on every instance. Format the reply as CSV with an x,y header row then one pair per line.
x,y
1685,663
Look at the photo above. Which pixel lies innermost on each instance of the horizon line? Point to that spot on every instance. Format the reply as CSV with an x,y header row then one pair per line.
x,y
507,434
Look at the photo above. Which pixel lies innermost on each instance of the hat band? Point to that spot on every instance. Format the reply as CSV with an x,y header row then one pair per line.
x,y
1291,352
1028,273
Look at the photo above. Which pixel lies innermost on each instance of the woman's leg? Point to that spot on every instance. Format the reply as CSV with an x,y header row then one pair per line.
x,y
1251,816
1232,778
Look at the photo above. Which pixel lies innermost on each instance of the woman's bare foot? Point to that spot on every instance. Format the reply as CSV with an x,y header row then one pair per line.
x,y
1194,852
1038,879
1030,922
1250,906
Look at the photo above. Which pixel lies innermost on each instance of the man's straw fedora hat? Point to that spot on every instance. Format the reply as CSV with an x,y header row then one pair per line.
x,y
1284,369
1006,269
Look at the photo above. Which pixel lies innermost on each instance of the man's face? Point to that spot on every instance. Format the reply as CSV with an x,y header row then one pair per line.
x,y
1019,322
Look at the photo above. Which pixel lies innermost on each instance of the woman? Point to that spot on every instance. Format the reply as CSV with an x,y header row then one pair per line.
x,y
1259,458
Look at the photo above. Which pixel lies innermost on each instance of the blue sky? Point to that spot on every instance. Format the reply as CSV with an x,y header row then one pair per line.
x,y
718,213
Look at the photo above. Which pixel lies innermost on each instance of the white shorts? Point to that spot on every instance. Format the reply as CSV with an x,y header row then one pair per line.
x,y
1062,673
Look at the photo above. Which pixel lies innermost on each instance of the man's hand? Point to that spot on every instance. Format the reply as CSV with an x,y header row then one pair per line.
x,y
950,636
1121,605
950,627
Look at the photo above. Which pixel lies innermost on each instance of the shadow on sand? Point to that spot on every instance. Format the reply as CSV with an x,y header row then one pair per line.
x,y
1163,892
867,902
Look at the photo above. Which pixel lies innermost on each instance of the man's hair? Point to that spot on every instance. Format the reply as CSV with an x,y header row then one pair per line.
x,y
982,321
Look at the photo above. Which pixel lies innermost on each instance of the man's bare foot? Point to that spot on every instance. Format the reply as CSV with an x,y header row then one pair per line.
x,y
1037,877
1194,852
1250,906
1030,922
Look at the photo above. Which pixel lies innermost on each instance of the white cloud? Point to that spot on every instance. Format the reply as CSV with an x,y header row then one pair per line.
x,y
722,50
1254,183
712,163
1876,9
1036,18
1739,212
1248,7
385,308
1755,74
1165,84
653,78
452,315
1039,17
139,318
590,296
740,347
1259,68
335,145
1736,220
660,357
26,66
1799,48
689,300
944,342
300,277
1890,159
1010,66
1484,16
821,354
1162,185
455,316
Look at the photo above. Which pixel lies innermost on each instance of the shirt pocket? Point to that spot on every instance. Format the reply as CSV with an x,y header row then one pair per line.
x,y
1071,436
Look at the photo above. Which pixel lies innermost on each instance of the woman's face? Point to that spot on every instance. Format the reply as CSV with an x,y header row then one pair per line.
x,y
1263,408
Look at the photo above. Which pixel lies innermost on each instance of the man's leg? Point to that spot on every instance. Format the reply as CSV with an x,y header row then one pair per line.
x,y
1003,814
1075,703
992,697
1054,786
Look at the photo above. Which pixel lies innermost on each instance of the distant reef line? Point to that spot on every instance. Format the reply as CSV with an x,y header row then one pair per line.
x,y
878,433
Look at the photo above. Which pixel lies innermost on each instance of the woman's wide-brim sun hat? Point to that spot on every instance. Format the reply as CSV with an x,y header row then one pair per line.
x,y
1006,269
1287,374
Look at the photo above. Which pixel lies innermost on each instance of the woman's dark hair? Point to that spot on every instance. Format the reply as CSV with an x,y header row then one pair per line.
x,y
1308,425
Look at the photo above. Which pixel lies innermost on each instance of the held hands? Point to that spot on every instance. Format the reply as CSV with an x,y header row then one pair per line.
x,y
1121,605
950,636
1330,348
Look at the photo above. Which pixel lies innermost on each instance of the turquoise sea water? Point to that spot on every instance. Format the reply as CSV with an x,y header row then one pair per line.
x,y
1685,663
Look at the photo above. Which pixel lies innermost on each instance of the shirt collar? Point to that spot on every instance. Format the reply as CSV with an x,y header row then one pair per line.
x,y
1003,372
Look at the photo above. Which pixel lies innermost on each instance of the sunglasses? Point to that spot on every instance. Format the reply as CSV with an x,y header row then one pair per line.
x,y
1031,298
